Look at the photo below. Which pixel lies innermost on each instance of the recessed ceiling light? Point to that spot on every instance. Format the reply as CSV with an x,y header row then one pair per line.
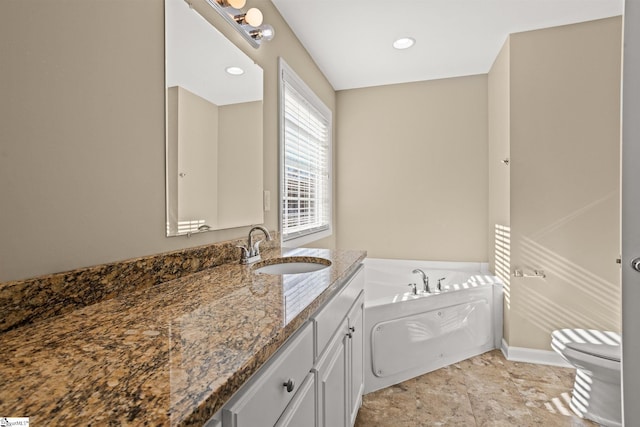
x,y
404,43
234,71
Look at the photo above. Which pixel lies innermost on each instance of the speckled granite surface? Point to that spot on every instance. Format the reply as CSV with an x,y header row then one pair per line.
x,y
27,301
169,354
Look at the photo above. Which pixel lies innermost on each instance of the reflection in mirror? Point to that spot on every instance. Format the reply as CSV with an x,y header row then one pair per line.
x,y
214,127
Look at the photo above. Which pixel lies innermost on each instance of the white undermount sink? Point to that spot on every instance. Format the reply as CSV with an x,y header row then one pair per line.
x,y
291,265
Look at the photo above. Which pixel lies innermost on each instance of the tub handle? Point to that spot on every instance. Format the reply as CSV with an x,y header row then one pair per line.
x,y
415,288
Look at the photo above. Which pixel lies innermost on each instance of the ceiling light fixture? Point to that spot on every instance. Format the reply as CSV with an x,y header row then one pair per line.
x,y
404,43
234,71
248,24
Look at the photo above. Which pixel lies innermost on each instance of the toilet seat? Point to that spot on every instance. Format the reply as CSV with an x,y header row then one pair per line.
x,y
588,341
604,351
586,348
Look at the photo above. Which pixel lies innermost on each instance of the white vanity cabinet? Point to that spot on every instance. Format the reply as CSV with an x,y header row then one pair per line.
x,y
315,378
339,364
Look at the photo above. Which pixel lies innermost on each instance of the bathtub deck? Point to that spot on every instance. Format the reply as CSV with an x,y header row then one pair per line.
x,y
486,390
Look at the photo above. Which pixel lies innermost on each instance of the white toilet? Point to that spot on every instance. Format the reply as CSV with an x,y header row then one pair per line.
x,y
596,357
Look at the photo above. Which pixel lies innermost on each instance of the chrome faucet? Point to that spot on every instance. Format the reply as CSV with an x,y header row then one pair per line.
x,y
251,252
425,280
439,286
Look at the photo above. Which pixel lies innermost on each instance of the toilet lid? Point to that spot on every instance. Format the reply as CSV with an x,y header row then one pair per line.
x,y
605,351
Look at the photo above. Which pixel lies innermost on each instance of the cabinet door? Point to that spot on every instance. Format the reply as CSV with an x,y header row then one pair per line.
x,y
355,359
301,412
332,382
328,319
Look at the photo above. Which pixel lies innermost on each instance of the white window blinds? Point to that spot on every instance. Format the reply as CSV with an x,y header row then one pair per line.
x,y
306,159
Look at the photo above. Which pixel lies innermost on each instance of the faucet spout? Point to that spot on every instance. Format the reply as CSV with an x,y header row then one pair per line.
x,y
250,239
251,252
425,279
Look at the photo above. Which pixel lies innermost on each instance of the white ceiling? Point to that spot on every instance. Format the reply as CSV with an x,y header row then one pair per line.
x,y
350,40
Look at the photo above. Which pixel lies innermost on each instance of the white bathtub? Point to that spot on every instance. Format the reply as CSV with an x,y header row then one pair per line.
x,y
409,335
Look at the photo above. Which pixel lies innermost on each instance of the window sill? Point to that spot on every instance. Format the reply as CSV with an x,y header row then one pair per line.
x,y
304,240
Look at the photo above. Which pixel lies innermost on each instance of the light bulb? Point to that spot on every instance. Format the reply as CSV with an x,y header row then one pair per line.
x,y
236,4
253,17
267,32
263,32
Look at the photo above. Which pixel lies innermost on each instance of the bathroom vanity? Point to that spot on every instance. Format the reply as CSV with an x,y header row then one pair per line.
x,y
316,377
220,344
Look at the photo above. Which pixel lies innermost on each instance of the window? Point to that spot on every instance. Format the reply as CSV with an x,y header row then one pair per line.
x,y
305,166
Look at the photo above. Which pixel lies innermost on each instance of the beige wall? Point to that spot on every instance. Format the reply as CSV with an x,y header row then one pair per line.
x,y
564,109
498,228
498,146
240,164
411,169
196,147
82,154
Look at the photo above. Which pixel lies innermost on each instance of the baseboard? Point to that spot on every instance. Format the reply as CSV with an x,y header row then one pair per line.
x,y
532,355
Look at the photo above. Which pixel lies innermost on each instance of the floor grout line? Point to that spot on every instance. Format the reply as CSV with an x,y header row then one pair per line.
x,y
466,393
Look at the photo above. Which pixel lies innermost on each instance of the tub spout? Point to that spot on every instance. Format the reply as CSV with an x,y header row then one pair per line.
x,y
425,279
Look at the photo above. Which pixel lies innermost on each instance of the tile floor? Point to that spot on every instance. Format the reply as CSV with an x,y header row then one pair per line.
x,y
486,390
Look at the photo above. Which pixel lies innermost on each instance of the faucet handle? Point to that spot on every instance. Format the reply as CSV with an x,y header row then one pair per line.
x,y
244,251
256,247
439,287
414,288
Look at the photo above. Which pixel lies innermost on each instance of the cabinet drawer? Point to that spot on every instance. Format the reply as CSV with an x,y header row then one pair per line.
x,y
261,401
326,321
301,412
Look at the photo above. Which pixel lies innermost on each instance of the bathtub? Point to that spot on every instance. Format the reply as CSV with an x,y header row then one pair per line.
x,y
409,335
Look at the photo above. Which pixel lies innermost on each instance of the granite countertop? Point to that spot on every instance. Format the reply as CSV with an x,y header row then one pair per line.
x,y
172,354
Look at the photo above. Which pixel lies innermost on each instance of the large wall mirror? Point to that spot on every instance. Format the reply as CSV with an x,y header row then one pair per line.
x,y
214,127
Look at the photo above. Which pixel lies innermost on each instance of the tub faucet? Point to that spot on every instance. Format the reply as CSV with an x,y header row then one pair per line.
x,y
251,252
425,279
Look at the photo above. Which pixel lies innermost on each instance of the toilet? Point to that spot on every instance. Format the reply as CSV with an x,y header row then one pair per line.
x,y
596,356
